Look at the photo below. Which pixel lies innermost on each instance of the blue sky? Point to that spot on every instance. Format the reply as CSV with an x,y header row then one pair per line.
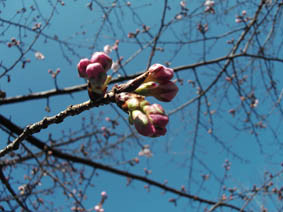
x,y
171,153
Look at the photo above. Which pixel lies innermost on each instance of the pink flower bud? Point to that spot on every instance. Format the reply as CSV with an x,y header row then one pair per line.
x,y
164,92
153,109
97,208
107,49
103,59
97,78
82,67
238,20
94,70
103,194
142,123
151,121
157,117
209,3
159,73
158,120
159,132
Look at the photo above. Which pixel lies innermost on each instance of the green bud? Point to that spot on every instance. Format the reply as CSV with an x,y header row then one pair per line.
x,y
133,104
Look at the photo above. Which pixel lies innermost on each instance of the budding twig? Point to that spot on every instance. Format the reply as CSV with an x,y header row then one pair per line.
x,y
73,110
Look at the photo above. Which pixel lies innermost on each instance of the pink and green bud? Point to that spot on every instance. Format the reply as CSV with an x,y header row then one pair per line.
x,y
133,104
147,89
82,67
142,123
151,121
130,101
143,104
159,73
94,70
96,75
103,59
97,78
164,92
96,87
154,109
136,103
156,115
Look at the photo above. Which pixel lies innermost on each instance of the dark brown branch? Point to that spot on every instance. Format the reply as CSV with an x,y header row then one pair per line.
x,y
10,189
74,110
58,154
77,88
45,122
57,92
228,59
37,36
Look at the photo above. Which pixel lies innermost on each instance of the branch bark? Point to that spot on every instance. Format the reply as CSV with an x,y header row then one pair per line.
x,y
58,154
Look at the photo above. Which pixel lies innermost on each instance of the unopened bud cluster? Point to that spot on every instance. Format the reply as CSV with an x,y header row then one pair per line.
x,y
94,70
149,119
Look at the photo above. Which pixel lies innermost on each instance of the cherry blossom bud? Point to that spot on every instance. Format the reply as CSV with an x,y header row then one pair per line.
x,y
151,121
107,49
238,20
97,80
183,4
143,103
209,3
104,194
157,117
82,67
146,89
164,92
103,59
179,17
136,160
142,123
97,208
94,70
159,73
146,151
133,104
130,101
159,132
158,120
153,109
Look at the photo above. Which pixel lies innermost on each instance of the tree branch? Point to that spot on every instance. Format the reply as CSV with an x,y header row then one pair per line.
x,y
58,154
